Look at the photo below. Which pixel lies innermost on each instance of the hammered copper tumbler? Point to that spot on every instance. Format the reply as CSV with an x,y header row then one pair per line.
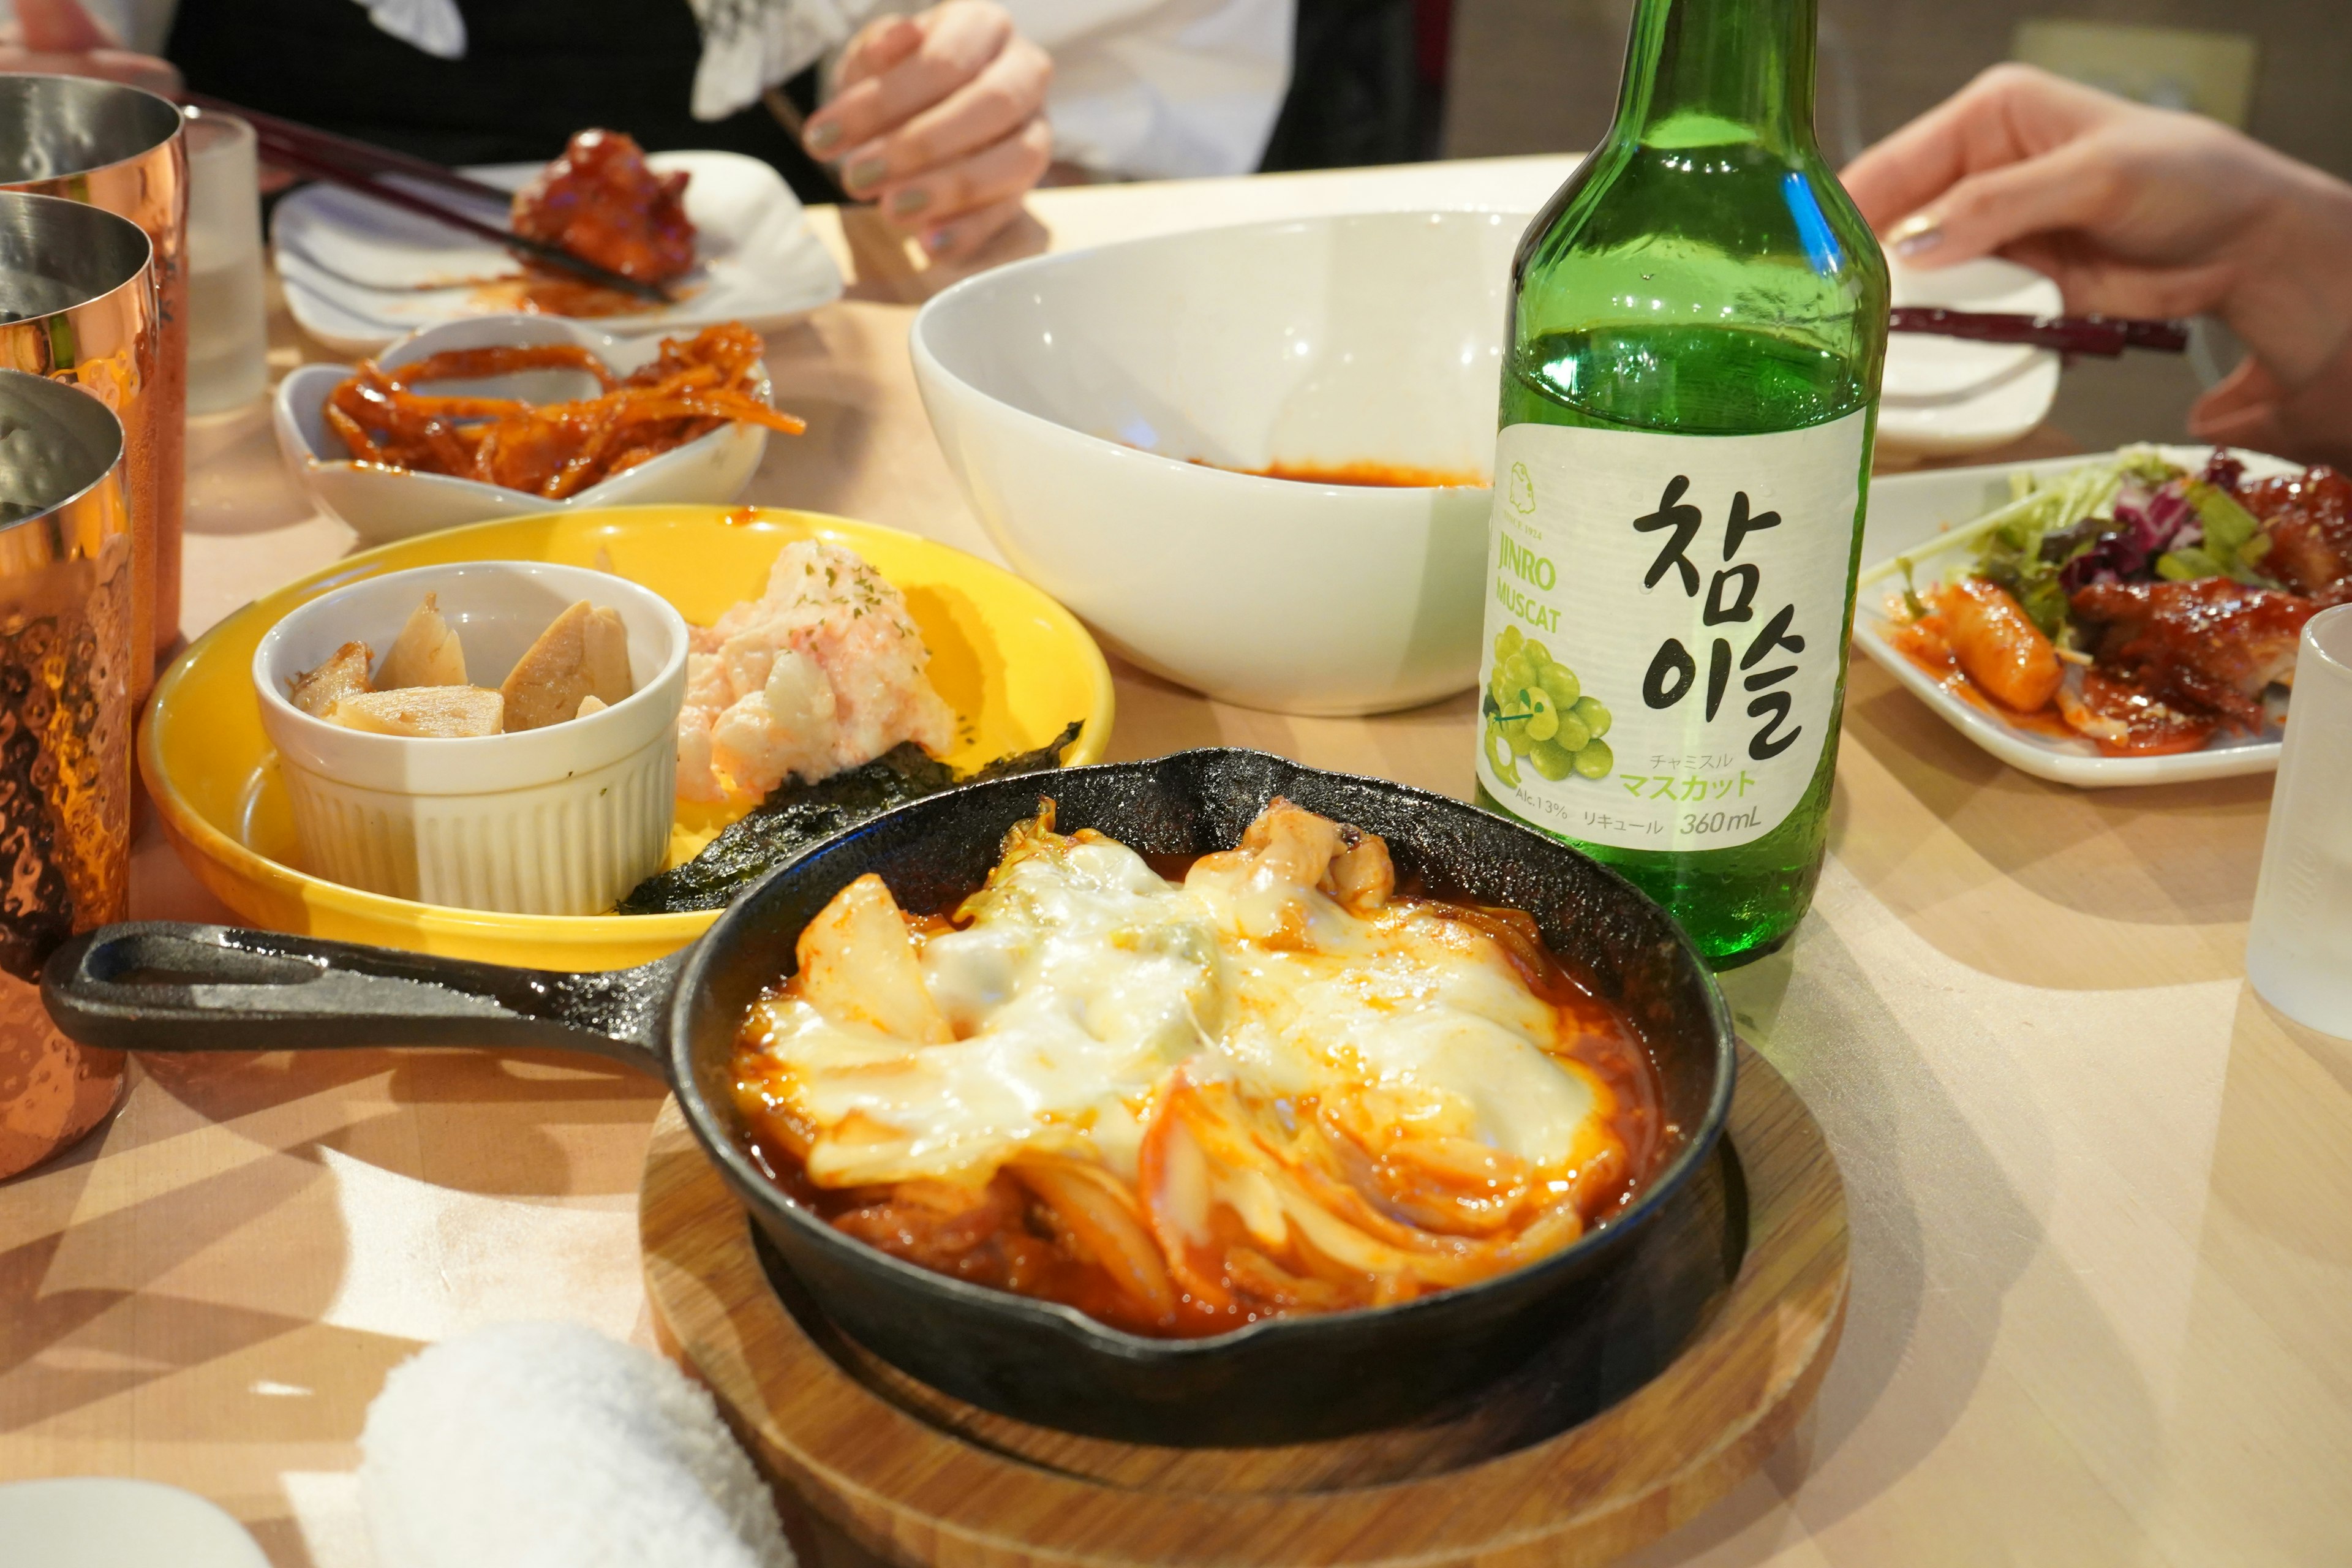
x,y
122,150
77,304
65,655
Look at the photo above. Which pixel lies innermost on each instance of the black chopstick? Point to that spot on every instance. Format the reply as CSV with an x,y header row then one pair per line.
x,y
354,164
2102,336
304,162
365,157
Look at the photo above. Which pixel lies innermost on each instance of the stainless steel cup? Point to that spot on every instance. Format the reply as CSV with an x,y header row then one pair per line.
x,y
123,149
77,304
66,657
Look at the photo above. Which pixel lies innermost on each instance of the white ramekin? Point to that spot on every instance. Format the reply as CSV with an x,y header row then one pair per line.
x,y
558,821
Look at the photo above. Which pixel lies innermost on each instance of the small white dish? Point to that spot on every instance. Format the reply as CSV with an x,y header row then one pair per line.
x,y
1945,397
1908,511
106,1522
384,504
1079,396
556,821
359,274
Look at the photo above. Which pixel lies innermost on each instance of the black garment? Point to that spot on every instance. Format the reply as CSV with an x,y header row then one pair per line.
x,y
1355,98
534,72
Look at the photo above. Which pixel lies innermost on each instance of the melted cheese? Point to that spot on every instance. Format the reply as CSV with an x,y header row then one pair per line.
x,y
1084,980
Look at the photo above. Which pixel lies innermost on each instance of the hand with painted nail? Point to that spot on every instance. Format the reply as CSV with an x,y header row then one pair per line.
x,y
938,120
2140,212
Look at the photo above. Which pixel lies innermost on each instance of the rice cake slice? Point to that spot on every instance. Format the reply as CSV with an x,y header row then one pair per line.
x,y
317,691
426,652
434,713
585,653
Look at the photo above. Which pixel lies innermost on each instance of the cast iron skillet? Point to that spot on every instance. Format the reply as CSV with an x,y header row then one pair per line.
x,y
162,987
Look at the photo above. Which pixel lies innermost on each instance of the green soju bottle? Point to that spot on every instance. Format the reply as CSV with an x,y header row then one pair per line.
x,y
1699,323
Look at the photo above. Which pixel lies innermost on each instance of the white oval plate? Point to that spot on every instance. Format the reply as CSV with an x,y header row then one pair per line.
x,y
101,1521
1947,396
359,274
1908,511
382,504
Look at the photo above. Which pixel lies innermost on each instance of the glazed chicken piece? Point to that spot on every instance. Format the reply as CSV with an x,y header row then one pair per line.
x,y
601,203
2307,518
2125,722
2211,643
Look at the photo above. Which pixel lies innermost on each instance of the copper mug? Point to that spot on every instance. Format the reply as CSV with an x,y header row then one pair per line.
x,y
66,657
122,150
77,304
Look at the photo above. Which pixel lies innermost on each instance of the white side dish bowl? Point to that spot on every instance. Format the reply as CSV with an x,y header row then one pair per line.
x,y
556,821
1079,398
1908,511
384,504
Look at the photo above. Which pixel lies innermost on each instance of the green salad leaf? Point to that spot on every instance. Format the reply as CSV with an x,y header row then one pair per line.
x,y
2028,542
2234,543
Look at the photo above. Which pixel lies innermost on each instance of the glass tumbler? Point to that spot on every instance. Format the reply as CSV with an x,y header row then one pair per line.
x,y
77,303
228,329
122,150
2299,943
66,653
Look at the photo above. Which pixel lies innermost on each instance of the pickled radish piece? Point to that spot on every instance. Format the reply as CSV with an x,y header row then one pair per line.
x,y
345,673
426,652
423,712
585,652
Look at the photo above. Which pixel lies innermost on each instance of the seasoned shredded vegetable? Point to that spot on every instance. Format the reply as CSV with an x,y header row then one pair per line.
x,y
551,449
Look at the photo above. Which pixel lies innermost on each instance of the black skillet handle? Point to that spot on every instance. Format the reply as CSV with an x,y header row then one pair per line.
x,y
163,986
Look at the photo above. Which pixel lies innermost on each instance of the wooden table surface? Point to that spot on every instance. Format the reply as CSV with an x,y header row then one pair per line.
x,y
2101,1195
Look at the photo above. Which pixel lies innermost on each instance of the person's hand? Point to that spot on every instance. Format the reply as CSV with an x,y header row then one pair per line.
x,y
2134,212
938,120
57,37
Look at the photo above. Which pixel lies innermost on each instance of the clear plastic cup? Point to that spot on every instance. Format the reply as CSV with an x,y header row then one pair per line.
x,y
228,329
2299,943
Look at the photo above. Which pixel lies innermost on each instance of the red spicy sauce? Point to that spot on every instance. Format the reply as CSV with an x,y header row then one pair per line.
x,y
1368,475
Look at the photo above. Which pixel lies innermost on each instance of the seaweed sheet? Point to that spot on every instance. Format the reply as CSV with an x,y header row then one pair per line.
x,y
796,818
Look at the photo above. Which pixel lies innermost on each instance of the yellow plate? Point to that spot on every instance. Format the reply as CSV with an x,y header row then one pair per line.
x,y
1014,665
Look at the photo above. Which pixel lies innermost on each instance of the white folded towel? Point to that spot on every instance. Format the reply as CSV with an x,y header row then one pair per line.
x,y
550,1445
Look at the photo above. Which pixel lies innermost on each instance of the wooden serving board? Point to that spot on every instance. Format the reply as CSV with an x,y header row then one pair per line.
x,y
1588,1452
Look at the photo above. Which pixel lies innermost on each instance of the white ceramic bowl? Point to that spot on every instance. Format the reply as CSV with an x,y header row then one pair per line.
x,y
556,821
384,504
1072,393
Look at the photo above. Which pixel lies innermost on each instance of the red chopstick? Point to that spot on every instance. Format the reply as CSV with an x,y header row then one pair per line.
x,y
354,164
2102,336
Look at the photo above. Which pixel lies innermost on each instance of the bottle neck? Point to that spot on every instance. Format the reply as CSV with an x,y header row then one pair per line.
x,y
1708,72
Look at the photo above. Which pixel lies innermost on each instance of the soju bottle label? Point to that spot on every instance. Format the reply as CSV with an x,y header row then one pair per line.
x,y
1666,628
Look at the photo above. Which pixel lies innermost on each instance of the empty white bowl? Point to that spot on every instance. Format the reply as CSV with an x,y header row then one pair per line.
x,y
382,504
561,820
1078,396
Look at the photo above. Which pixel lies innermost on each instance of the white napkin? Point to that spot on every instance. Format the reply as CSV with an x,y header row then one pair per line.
x,y
550,1445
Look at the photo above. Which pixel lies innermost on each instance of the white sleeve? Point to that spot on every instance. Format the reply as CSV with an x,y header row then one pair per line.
x,y
1162,88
